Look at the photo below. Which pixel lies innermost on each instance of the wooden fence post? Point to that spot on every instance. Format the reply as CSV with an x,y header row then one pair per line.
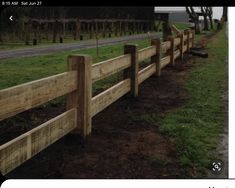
x,y
188,41
81,98
157,58
193,33
132,72
181,45
172,50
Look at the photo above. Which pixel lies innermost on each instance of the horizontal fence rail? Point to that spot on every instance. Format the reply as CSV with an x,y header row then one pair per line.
x,y
176,54
146,73
165,61
26,96
22,148
107,97
76,83
146,53
177,41
106,68
165,46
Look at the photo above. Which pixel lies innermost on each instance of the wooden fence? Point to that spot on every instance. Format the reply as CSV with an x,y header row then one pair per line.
x,y
76,83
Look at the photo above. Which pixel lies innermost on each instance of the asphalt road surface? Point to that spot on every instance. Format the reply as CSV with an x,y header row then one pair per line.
x,y
35,51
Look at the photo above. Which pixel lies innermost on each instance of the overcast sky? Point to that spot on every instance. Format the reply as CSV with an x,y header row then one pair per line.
x,y
217,11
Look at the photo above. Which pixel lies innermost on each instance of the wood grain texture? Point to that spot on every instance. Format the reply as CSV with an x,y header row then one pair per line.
x,y
157,57
106,68
176,54
132,72
81,98
165,46
29,95
176,41
185,37
165,61
146,53
22,148
181,46
190,44
190,35
184,48
104,99
171,50
146,72
193,33
188,41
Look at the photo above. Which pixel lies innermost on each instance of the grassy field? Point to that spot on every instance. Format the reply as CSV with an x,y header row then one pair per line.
x,y
181,26
196,125
20,70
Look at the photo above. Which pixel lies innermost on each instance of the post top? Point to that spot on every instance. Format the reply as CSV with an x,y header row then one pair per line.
x,y
80,57
130,44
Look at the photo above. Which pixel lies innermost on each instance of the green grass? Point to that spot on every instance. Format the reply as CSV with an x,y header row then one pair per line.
x,y
181,26
202,34
196,125
20,70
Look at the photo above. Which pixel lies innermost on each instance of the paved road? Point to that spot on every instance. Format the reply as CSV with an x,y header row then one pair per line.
x,y
34,51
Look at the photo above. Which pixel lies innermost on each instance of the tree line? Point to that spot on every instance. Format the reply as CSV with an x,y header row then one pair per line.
x,y
6,26
206,13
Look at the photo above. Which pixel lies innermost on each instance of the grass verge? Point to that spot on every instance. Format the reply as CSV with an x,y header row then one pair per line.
x,y
196,125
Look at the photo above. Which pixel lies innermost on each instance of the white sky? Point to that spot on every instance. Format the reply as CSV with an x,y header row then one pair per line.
x,y
217,11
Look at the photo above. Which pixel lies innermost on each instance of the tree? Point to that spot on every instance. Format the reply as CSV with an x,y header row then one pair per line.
x,y
166,30
209,12
204,14
225,14
7,27
194,17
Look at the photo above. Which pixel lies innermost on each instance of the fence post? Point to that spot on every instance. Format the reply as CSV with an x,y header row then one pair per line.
x,y
132,72
81,98
157,58
193,33
181,35
187,33
172,50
